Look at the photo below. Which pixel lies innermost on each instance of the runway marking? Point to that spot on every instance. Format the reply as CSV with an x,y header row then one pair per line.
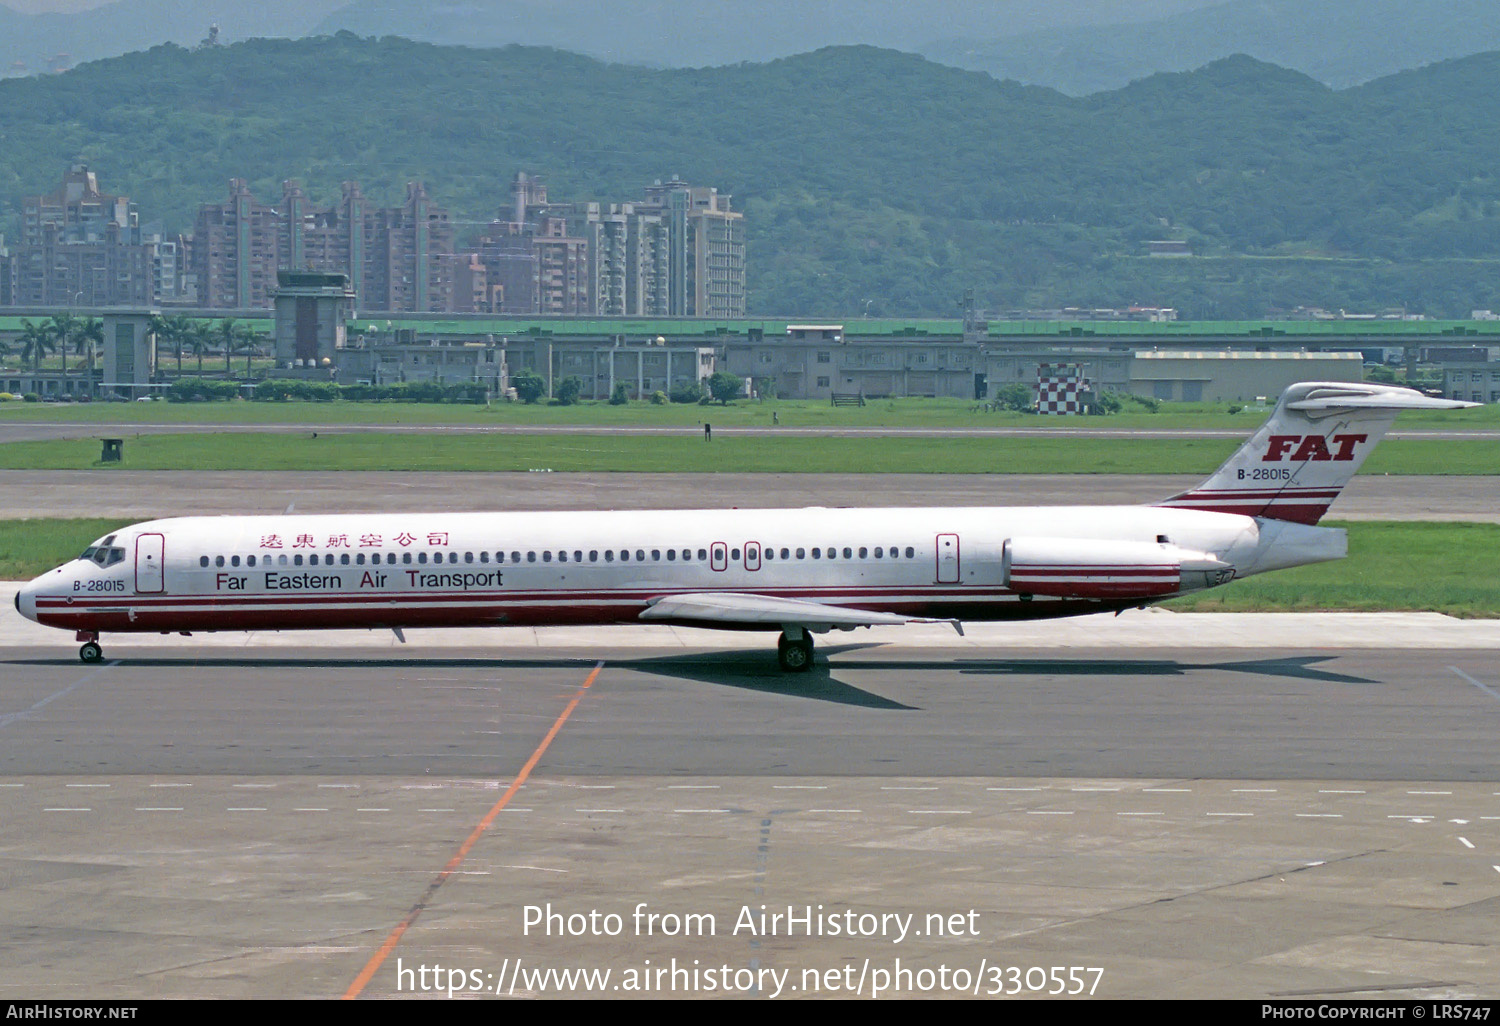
x,y
247,808
150,808
373,965
1455,669
1015,789
593,811
85,785
339,785
939,812
835,810
924,787
1320,815
309,810
1229,814
1343,792
1166,790
1093,789
10,718
799,787
372,810
252,785
700,810
1429,792
1048,812
1254,790
67,810
692,787
1140,814
171,785
1466,842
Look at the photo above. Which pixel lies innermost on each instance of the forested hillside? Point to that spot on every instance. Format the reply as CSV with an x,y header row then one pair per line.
x,y
867,176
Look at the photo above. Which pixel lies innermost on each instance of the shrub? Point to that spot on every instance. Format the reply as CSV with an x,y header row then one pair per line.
x,y
567,391
529,386
658,398
620,396
690,392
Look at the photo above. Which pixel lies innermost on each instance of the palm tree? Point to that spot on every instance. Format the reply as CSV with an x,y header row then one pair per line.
x,y
175,332
231,336
200,340
37,341
91,335
249,344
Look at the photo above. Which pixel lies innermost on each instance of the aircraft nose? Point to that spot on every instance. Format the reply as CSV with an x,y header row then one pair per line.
x,y
26,600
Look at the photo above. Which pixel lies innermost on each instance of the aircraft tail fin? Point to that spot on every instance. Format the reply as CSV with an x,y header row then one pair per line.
x,y
1307,450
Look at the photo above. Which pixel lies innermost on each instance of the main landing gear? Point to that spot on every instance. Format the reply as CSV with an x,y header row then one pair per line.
x,y
795,654
90,652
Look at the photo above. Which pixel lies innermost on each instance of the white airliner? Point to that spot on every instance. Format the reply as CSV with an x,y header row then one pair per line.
x,y
798,571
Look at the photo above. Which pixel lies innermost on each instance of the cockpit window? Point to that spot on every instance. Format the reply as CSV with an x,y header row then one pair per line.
x,y
99,551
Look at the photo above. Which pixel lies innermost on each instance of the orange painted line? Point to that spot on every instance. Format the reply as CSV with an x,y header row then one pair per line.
x,y
373,965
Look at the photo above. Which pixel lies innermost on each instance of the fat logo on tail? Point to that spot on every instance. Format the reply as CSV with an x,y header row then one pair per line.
x,y
1299,461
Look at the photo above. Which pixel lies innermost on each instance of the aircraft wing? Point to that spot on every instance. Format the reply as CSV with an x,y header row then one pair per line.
x,y
723,608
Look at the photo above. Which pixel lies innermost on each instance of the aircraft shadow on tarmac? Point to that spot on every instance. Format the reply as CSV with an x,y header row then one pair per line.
x,y
754,670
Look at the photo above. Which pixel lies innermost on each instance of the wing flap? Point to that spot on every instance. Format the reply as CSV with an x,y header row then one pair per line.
x,y
723,607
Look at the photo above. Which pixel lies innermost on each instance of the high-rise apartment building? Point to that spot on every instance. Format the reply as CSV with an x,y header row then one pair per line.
x,y
533,263
705,243
397,258
80,246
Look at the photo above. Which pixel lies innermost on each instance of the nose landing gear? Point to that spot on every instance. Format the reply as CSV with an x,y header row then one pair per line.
x,y
90,652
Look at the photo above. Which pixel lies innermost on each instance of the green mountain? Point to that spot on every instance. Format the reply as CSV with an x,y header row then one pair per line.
x,y
867,176
1338,42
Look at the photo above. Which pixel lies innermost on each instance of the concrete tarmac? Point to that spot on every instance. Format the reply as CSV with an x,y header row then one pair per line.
x,y
1164,805
139,495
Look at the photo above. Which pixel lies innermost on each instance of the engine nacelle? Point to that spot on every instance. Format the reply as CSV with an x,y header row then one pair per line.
x,y
1101,569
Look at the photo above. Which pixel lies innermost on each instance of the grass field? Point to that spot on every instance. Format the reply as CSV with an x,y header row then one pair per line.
x,y
1438,567
950,413
1047,454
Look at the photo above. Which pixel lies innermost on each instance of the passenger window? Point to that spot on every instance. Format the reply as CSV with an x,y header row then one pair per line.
x,y
578,555
406,558
656,555
359,559
344,558
202,560
817,553
769,554
234,560
785,554
296,560
879,552
863,552
734,554
910,552
484,557
609,555
218,561
531,557
468,557
547,556
640,555
593,555
801,553
281,559
312,560
848,553
702,555
625,555
515,557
